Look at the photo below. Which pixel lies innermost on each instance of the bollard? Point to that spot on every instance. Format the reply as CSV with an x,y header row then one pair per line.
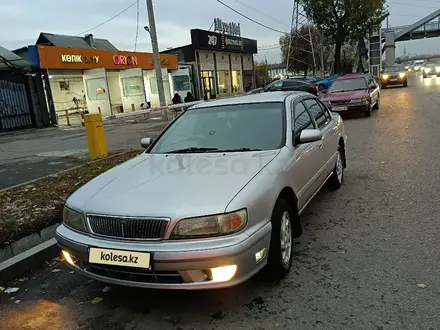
x,y
99,109
95,136
67,117
132,108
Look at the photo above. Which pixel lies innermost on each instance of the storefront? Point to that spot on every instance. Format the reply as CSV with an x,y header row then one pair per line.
x,y
224,62
105,81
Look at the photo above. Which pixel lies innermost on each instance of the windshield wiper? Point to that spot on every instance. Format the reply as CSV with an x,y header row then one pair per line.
x,y
191,149
238,150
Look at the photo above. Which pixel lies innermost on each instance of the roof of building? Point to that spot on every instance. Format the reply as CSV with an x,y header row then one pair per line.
x,y
73,41
252,98
10,60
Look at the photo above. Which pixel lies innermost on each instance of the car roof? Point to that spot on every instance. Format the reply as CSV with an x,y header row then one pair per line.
x,y
351,76
252,98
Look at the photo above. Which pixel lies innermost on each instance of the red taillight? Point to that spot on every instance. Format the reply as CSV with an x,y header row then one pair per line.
x,y
313,86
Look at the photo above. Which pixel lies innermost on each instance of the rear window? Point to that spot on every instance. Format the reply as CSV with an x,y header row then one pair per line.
x,y
346,85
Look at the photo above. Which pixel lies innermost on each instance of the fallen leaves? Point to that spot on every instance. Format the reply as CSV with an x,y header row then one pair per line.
x,y
96,300
11,290
29,209
422,286
56,270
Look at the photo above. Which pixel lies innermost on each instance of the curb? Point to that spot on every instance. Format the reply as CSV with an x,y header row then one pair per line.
x,y
28,260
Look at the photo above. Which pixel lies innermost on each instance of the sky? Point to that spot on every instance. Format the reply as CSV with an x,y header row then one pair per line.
x,y
21,21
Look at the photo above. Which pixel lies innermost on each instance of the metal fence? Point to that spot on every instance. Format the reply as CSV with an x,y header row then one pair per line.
x,y
14,106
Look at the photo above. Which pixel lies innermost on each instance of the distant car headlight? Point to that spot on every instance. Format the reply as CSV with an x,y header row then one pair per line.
x,y
402,74
73,219
210,226
385,76
427,70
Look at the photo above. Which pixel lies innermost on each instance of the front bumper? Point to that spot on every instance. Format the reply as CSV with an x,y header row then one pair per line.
x,y
393,81
175,265
348,107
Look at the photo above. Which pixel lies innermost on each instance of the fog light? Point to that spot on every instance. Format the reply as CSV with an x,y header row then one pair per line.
x,y
259,255
223,274
69,258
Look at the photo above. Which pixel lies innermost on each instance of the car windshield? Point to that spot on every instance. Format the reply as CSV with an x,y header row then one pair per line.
x,y
333,77
346,85
238,127
394,69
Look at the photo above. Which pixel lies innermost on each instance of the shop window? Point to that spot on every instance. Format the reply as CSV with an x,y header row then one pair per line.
x,y
64,86
236,81
223,80
132,86
182,83
96,89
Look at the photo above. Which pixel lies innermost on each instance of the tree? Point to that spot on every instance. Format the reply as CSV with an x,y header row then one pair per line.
x,y
305,50
342,20
261,70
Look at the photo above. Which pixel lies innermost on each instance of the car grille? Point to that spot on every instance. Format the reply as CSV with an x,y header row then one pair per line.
x,y
133,274
127,228
337,103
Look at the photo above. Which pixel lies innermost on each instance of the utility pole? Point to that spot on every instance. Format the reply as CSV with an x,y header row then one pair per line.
x,y
156,58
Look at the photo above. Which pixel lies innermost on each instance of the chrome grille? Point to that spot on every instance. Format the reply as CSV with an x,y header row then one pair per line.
x,y
127,228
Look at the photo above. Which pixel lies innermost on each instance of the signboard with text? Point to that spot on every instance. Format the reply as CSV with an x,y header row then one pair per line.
x,y
227,28
208,40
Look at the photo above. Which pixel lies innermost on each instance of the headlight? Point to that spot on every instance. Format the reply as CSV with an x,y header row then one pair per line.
x,y
385,76
365,100
437,69
210,226
402,75
73,219
427,70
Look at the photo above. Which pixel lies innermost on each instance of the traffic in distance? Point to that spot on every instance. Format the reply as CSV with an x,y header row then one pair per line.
x,y
211,202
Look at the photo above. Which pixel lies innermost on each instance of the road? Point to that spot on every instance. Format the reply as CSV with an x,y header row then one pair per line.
x,y
368,259
31,154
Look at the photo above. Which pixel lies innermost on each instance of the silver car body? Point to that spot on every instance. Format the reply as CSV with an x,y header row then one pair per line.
x,y
174,187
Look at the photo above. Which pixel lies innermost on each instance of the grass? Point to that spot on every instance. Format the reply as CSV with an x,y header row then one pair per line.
x,y
30,208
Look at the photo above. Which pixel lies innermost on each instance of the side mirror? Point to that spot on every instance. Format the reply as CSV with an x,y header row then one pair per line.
x,y
310,135
323,91
146,142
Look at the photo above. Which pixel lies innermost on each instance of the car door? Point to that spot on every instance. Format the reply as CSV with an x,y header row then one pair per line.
x,y
290,85
305,168
327,146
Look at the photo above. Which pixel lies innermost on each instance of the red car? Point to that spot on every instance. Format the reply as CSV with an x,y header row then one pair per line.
x,y
354,92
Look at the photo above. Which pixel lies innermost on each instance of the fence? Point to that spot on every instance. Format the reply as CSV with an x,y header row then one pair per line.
x,y
14,107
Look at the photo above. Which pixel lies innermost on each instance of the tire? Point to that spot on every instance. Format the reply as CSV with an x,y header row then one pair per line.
x,y
405,83
367,113
383,86
337,178
280,252
425,76
377,105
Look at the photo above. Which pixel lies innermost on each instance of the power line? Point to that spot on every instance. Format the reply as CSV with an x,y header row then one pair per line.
x,y
137,25
411,5
262,13
111,18
250,19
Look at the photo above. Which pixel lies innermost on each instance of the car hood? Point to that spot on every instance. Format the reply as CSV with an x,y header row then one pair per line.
x,y
173,185
342,96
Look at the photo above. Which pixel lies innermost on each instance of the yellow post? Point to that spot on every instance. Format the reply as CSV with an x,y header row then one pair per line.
x,y
95,136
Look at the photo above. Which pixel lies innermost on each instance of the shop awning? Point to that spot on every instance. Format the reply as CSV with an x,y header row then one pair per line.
x,y
10,60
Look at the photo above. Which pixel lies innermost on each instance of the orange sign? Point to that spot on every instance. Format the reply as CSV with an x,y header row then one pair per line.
x,y
52,57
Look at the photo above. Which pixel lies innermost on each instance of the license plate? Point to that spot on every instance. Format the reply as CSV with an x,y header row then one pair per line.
x,y
119,258
339,108
394,79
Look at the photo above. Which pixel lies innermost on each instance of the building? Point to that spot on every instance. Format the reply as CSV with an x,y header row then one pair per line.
x,y
223,63
87,74
277,70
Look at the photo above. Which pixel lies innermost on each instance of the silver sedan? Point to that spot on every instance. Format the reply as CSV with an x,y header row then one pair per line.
x,y
214,199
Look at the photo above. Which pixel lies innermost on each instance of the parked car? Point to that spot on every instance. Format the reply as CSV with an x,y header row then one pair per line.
x,y
356,92
213,200
431,69
326,83
394,75
312,79
292,85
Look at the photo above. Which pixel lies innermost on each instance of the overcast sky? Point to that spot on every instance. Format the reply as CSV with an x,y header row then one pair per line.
x,y
25,19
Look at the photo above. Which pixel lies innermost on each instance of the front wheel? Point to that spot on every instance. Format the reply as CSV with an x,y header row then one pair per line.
x,y
367,113
377,105
405,83
335,181
284,221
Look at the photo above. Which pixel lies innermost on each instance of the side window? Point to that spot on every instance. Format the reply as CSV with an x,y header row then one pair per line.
x,y
290,83
277,84
318,113
301,119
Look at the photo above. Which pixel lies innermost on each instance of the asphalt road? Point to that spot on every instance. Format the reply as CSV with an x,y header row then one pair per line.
x,y
368,259
30,154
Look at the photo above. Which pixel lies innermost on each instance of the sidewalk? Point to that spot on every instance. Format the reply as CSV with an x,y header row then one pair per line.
x,y
31,154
